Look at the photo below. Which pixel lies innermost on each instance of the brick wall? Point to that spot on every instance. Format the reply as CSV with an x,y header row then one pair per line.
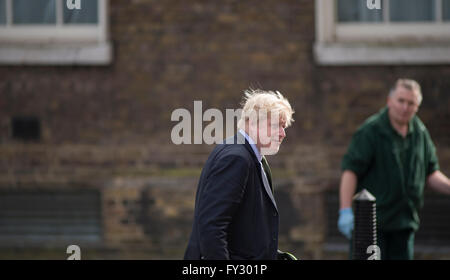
x,y
104,123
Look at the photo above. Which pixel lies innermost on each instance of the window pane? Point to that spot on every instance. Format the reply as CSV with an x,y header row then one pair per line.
x,y
412,10
88,12
2,11
34,12
446,9
356,10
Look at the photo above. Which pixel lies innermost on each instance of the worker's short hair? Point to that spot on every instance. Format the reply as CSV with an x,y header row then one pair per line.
x,y
409,84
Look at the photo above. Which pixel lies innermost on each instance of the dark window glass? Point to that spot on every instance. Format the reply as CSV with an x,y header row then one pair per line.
x,y
88,12
356,10
446,10
34,12
2,11
412,10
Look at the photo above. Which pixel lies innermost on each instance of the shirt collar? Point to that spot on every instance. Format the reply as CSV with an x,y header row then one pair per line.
x,y
252,144
388,126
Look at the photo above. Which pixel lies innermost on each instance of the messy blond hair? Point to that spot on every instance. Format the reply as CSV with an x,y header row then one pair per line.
x,y
256,100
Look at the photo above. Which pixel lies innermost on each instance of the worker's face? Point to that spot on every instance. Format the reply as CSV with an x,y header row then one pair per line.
x,y
270,132
402,104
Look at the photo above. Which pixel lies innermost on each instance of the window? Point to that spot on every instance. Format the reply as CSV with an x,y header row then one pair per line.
x,y
33,12
87,15
357,11
54,32
416,10
2,12
446,10
396,11
401,32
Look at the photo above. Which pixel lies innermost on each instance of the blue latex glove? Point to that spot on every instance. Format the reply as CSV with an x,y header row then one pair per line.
x,y
345,222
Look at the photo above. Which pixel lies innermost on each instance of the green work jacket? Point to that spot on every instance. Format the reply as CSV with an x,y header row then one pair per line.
x,y
393,168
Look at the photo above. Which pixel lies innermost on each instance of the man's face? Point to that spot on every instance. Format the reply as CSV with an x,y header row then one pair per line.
x,y
271,133
402,104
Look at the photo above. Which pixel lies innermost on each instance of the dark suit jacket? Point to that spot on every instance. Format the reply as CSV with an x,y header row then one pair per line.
x,y
235,215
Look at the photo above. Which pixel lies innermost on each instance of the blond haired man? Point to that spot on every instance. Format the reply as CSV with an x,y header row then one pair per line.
x,y
236,216
392,155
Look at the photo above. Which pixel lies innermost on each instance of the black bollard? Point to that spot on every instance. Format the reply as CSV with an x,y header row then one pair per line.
x,y
365,230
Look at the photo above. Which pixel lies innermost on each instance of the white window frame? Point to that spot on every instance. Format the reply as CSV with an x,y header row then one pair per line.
x,y
379,43
59,43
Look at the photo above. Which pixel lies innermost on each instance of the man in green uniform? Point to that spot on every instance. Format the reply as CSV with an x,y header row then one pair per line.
x,y
393,157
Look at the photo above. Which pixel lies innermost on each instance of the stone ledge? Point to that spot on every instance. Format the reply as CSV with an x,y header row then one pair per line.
x,y
341,54
59,54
